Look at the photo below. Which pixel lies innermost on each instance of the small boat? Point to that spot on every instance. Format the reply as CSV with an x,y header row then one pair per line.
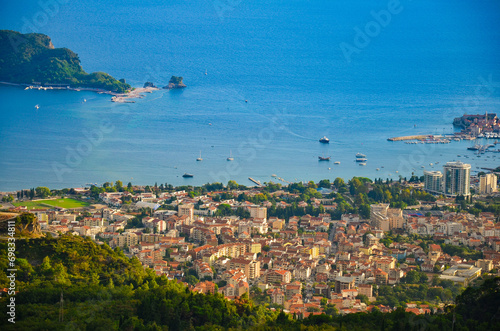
x,y
360,156
199,159
84,100
230,158
324,158
37,106
336,162
186,175
362,163
361,160
324,140
273,175
246,100
377,169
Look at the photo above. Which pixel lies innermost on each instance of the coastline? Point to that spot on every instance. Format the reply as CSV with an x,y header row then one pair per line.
x,y
134,94
116,97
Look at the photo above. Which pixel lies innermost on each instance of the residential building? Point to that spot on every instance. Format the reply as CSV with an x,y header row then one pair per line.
x,y
344,283
433,181
456,178
187,210
258,212
488,184
278,276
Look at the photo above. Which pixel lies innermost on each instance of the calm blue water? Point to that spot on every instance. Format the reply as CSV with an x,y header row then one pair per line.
x,y
427,65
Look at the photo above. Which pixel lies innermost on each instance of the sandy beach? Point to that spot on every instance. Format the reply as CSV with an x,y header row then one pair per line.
x,y
136,93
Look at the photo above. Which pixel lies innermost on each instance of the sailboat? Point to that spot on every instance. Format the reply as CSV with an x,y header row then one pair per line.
x,y
206,73
199,159
230,158
37,106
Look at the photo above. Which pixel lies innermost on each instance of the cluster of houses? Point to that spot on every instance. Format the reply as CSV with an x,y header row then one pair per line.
x,y
304,264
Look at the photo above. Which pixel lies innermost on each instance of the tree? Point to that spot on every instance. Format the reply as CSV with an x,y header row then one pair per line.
x,y
324,183
191,280
42,191
231,185
323,302
224,210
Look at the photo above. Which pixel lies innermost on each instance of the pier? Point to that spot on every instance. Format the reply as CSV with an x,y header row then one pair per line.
x,y
417,137
255,181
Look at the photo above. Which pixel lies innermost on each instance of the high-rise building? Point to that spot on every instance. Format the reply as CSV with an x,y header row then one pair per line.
x,y
433,181
456,178
488,184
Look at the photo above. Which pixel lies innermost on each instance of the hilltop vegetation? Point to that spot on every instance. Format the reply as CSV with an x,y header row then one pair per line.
x,y
28,58
102,289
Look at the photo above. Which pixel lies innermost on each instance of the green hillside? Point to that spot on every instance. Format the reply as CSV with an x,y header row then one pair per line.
x,y
28,58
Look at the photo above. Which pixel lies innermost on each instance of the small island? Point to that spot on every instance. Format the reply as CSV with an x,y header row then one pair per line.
x,y
175,83
31,60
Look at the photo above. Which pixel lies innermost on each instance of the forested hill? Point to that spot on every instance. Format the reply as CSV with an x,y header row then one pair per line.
x,y
102,289
30,58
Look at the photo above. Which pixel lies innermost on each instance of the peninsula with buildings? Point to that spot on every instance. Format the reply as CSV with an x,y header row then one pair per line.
x,y
305,249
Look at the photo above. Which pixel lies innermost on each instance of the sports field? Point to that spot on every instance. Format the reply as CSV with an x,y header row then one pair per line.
x,y
62,203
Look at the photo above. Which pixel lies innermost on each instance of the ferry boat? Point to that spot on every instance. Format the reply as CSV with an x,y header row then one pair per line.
x,y
186,175
324,158
324,140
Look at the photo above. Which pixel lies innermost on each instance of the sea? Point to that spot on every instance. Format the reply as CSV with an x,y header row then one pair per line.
x,y
265,81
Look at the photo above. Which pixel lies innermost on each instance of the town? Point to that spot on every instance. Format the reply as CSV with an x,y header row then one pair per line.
x,y
305,248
